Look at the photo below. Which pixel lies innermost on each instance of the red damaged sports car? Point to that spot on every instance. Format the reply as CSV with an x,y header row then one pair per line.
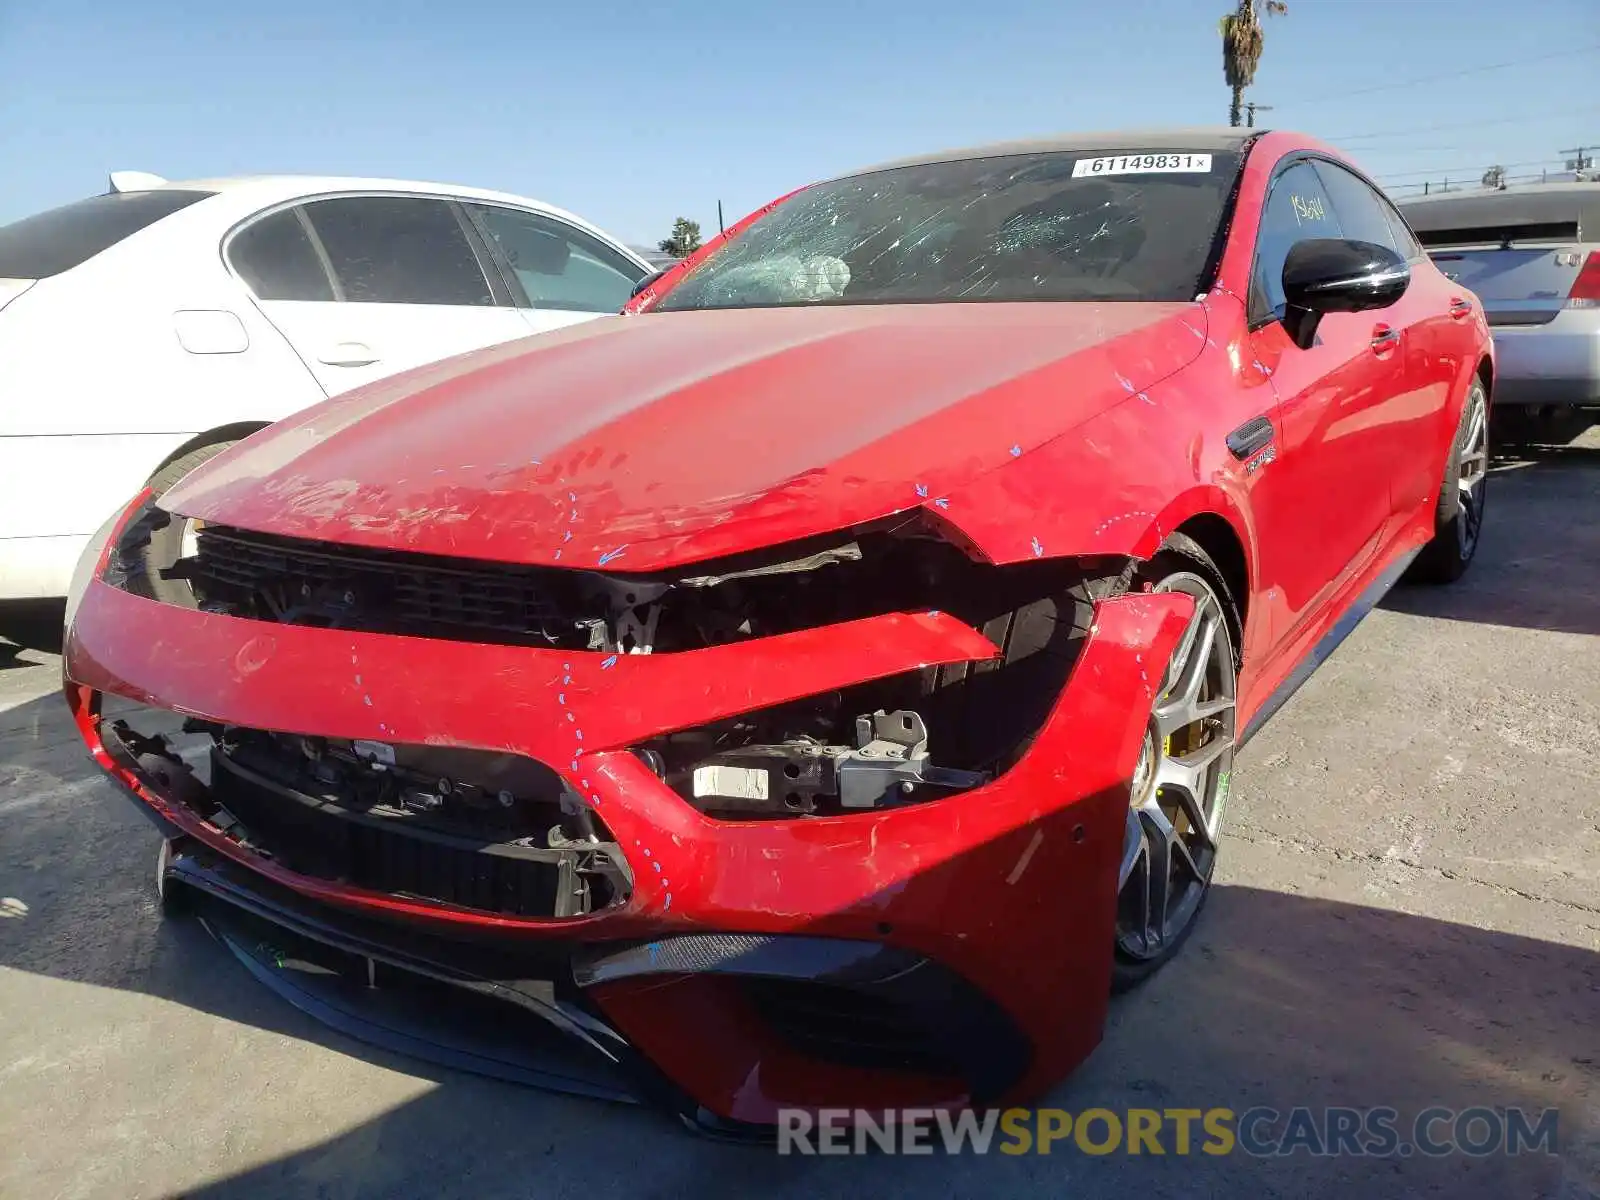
x,y
818,686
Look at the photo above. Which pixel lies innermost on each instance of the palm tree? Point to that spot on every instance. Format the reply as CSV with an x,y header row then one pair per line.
x,y
1241,49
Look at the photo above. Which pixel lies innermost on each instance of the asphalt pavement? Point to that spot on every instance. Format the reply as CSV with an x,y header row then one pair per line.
x,y
1407,915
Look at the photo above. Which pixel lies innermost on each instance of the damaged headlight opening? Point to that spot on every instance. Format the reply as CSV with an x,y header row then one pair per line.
x,y
904,739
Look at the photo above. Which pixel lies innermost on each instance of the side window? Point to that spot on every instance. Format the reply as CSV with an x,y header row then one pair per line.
x,y
559,266
277,261
1360,209
1297,210
1404,239
399,250
59,239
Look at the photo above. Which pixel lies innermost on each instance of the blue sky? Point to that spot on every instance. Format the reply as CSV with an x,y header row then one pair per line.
x,y
633,114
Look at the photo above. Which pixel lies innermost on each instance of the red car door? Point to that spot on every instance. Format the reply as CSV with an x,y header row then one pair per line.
x,y
1323,505
1413,423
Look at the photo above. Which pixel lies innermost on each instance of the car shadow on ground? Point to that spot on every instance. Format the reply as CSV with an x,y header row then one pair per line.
x,y
1278,1000
29,625
1540,571
1282,1001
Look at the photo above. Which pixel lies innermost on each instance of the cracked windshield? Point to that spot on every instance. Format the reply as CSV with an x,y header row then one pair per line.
x,y
1090,225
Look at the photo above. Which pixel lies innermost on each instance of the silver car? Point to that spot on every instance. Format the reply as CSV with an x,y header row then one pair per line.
x,y
1531,253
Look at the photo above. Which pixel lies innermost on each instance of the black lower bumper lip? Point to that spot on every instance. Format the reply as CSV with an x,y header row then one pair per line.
x,y
489,1007
513,1009
409,1024
490,1010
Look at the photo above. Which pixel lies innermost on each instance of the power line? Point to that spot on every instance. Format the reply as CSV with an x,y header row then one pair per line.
x,y
1582,162
1390,133
1459,185
1532,162
1500,66
1463,178
1412,151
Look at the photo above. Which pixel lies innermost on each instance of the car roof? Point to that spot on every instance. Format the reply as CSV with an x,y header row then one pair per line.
x,y
249,193
1200,139
289,186
1515,204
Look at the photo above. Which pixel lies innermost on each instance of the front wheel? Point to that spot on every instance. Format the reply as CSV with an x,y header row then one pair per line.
x,y
177,540
1180,783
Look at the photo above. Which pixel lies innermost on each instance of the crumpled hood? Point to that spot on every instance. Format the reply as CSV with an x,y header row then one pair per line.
x,y
674,437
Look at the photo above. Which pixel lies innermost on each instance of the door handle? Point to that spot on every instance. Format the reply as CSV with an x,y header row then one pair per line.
x,y
1460,308
348,354
1385,339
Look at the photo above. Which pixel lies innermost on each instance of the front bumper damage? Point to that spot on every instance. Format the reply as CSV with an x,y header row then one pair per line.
x,y
745,954
515,1011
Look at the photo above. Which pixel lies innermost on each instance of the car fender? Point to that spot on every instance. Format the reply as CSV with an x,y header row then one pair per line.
x,y
1118,485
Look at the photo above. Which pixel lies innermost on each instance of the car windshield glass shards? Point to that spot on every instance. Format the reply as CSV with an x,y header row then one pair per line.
x,y
1099,225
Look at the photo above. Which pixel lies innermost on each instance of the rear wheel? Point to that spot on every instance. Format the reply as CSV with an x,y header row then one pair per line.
x,y
1458,521
1180,783
177,539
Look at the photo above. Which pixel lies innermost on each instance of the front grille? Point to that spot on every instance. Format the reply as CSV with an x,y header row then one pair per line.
x,y
303,582
850,1027
394,853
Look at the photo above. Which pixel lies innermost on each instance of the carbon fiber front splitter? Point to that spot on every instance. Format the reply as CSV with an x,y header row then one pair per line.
x,y
480,1007
515,1009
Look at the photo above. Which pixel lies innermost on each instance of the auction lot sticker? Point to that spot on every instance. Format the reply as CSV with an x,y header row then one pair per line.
x,y
1141,164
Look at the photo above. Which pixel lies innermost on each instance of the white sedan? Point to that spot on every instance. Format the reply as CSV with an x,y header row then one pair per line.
x,y
144,330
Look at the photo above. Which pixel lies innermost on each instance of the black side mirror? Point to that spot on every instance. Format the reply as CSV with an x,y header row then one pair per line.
x,y
1324,275
647,281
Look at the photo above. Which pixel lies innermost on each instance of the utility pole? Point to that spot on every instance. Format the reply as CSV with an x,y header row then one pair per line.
x,y
720,228
1250,113
1581,160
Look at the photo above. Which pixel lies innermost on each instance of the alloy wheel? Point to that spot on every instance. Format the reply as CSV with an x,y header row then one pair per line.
x,y
1472,475
1180,784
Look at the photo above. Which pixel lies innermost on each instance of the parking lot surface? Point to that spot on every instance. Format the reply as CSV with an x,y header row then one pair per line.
x,y
1408,914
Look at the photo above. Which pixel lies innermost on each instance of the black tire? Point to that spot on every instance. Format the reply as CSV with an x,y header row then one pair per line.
x,y
1457,531
1127,975
1182,553
171,898
166,544
1181,557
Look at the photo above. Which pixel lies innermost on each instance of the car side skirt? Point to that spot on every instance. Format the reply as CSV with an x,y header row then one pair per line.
x,y
1323,649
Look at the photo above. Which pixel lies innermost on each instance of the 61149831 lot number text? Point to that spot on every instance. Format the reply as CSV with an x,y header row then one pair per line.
x,y
1140,164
